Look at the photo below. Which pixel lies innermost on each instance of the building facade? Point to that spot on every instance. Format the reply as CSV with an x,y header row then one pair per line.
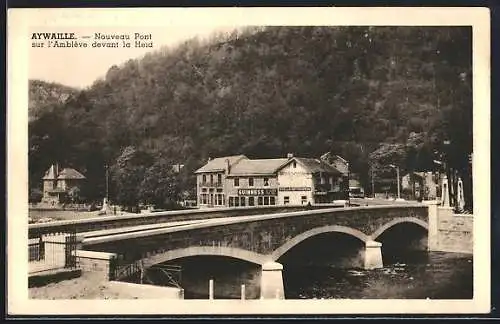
x,y
237,181
57,184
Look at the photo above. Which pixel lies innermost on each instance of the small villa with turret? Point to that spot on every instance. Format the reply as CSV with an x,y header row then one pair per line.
x,y
57,184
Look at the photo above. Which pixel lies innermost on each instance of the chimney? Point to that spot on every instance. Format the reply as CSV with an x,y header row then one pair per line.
x,y
228,166
209,159
289,155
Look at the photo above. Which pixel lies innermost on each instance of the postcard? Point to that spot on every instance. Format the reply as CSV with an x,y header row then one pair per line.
x,y
248,161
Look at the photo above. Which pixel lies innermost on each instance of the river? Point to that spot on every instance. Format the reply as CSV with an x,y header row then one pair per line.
x,y
416,275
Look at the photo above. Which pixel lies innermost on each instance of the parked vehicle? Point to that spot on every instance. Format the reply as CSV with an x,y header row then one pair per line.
x,y
356,192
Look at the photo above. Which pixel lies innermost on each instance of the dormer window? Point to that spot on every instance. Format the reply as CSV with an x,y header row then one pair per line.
x,y
294,164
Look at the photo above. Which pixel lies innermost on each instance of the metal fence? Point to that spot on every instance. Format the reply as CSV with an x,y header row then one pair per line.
x,y
52,251
135,272
35,250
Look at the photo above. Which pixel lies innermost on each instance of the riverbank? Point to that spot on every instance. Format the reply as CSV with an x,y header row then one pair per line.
x,y
88,286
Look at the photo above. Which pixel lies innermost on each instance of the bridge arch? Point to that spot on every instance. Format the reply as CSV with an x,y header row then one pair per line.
x,y
316,231
206,250
396,221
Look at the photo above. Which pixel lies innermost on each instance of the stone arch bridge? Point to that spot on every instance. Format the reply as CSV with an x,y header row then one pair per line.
x,y
261,239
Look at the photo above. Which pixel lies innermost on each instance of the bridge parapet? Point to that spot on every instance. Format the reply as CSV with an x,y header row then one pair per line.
x,y
112,222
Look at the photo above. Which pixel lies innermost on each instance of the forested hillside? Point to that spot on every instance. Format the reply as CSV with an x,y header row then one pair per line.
x,y
44,96
374,95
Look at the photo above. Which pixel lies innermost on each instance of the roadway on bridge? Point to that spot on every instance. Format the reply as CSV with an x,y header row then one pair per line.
x,y
124,233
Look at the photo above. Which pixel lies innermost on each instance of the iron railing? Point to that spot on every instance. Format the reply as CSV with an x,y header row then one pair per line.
x,y
52,251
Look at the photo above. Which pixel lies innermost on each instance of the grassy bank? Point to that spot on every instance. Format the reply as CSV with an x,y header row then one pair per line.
x,y
61,214
88,286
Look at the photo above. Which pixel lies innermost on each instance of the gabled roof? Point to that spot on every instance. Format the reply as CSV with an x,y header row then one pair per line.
x,y
257,167
50,174
69,173
219,164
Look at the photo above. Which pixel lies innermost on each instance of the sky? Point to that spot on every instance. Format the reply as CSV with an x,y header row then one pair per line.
x,y
80,67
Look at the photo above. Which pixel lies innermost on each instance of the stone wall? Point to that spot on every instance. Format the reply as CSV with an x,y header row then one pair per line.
x,y
455,233
449,232
138,291
95,262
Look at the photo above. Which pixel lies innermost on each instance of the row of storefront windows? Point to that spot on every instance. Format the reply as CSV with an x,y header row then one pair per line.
x,y
212,199
252,201
239,201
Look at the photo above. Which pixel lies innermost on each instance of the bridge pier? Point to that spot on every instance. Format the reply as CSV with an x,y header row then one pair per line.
x,y
271,285
373,255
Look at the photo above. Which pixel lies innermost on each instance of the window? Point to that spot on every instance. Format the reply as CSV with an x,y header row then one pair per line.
x,y
211,179
294,164
286,200
266,201
272,201
204,198
259,200
204,178
250,182
219,178
236,202
266,182
303,199
231,201
242,201
251,201
236,182
219,199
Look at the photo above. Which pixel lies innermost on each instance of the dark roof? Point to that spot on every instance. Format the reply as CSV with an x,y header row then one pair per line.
x,y
219,164
69,173
316,166
257,167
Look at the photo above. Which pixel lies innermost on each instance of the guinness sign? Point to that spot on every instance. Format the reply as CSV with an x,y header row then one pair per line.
x,y
258,192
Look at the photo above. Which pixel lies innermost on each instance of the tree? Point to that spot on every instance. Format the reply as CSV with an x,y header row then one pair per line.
x,y
127,175
74,194
160,185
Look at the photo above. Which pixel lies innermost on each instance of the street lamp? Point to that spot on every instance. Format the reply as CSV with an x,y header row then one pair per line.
x,y
397,175
348,185
373,181
107,181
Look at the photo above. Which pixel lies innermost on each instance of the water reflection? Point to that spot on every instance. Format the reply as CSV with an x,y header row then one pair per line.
x,y
432,275
416,275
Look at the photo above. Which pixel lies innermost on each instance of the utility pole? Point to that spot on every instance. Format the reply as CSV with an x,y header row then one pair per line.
x,y
397,177
107,182
348,185
373,182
